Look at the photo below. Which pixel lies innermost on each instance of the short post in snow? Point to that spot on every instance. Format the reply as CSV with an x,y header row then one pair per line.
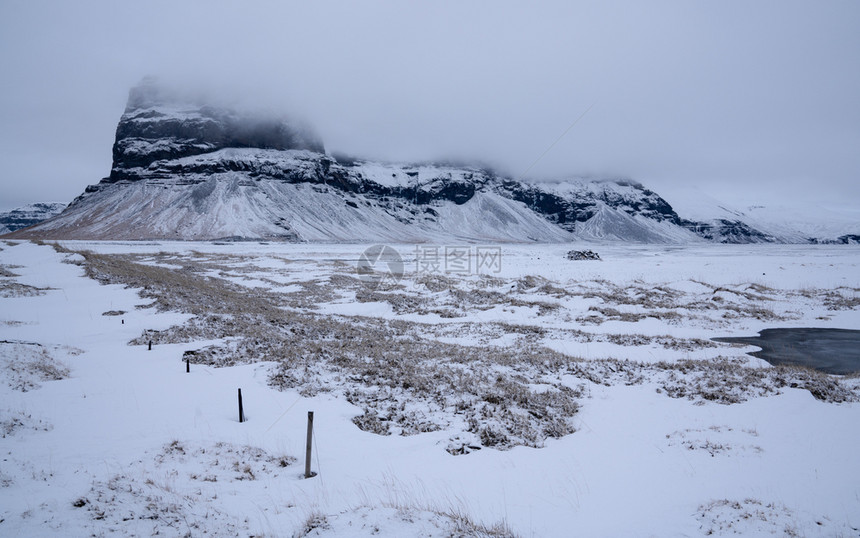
x,y
188,366
241,411
123,322
308,473
150,346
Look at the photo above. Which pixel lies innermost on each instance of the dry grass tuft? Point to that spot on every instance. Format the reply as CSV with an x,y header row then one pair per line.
x,y
25,365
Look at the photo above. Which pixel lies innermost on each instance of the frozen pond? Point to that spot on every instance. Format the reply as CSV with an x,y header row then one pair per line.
x,y
835,351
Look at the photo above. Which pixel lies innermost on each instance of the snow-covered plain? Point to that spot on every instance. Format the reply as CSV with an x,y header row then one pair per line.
x,y
102,437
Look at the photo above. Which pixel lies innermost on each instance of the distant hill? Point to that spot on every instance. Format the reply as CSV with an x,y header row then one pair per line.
x,y
28,215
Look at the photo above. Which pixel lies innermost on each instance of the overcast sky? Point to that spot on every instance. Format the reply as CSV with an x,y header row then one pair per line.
x,y
745,100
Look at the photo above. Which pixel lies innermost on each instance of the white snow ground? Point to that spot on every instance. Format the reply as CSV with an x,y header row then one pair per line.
x,y
128,443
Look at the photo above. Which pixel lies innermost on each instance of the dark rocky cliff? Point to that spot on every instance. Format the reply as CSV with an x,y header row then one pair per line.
x,y
159,125
581,205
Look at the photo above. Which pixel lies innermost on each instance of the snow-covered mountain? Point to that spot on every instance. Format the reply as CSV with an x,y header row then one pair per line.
x,y
183,169
803,222
28,215
304,195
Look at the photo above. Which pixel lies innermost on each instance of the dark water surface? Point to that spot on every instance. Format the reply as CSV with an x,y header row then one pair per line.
x,y
835,351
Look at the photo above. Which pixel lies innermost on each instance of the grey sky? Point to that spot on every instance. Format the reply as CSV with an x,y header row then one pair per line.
x,y
743,99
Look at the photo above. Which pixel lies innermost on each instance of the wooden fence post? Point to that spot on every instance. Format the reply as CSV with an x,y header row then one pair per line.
x,y
308,472
241,411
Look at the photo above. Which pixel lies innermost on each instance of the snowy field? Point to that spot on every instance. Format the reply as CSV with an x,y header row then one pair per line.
x,y
517,394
